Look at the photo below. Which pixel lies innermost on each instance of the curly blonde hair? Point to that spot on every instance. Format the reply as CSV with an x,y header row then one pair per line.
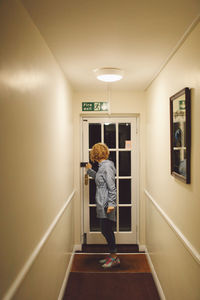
x,y
99,151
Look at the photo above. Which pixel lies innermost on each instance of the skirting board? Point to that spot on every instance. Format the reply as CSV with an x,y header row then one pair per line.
x,y
155,277
63,287
77,248
142,248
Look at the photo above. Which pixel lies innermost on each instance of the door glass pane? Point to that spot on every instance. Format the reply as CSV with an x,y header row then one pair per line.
x,y
110,135
124,218
94,221
125,191
94,134
92,191
124,134
112,157
125,163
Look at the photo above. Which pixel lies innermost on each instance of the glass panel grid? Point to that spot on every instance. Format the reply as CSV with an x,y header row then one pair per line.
x,y
120,205
124,209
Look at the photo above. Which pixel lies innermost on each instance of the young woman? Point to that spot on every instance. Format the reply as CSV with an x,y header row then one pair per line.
x,y
105,199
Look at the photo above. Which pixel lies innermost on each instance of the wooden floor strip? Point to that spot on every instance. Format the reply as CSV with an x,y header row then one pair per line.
x,y
87,263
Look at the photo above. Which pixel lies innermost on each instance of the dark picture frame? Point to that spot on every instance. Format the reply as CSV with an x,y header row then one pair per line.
x,y
180,131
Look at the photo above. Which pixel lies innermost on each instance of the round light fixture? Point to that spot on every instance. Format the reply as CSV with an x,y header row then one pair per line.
x,y
109,74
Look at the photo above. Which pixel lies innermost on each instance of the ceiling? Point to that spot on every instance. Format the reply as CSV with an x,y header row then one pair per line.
x,y
135,35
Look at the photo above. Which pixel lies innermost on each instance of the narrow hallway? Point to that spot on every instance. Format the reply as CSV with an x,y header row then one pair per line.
x,y
54,108
132,280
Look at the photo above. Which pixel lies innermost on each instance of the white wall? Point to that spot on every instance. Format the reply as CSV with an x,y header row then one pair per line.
x,y
178,272
121,103
35,156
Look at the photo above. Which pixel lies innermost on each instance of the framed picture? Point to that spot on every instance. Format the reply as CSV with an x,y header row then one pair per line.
x,y
180,128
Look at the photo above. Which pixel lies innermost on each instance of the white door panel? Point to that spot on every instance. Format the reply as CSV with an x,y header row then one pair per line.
x,y
120,135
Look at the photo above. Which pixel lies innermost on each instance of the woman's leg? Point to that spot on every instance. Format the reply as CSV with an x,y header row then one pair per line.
x,y
107,229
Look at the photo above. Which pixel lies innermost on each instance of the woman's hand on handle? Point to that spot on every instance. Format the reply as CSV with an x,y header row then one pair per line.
x,y
109,209
88,166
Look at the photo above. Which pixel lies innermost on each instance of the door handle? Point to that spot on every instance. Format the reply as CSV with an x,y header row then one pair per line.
x,y
86,179
83,164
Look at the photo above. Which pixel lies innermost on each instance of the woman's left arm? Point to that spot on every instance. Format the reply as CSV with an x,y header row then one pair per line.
x,y
90,171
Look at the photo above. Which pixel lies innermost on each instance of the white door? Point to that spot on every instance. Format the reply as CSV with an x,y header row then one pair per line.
x,y
120,135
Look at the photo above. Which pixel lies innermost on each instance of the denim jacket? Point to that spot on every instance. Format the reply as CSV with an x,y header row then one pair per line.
x,y
105,189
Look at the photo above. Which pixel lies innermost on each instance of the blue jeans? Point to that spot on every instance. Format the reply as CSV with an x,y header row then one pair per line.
x,y
107,229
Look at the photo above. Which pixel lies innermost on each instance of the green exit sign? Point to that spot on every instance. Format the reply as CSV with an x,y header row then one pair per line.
x,y
94,106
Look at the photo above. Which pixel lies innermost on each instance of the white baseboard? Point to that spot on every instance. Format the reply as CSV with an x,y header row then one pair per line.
x,y
155,277
77,247
63,287
142,248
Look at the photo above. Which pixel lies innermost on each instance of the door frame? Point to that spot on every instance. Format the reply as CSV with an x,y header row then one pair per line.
x,y
114,115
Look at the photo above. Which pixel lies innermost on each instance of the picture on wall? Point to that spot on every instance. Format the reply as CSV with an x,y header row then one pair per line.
x,y
180,128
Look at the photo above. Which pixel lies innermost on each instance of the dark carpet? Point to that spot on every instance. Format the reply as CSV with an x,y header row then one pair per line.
x,y
132,263
104,248
111,286
132,280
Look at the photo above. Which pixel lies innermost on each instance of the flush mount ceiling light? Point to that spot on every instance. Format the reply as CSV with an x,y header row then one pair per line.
x,y
109,74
